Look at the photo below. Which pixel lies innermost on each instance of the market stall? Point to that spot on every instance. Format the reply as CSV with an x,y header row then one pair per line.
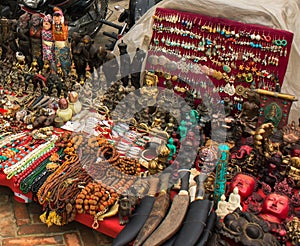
x,y
138,153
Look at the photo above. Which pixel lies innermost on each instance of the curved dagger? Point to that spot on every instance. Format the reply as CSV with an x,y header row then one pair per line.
x,y
158,212
207,233
196,217
172,222
138,219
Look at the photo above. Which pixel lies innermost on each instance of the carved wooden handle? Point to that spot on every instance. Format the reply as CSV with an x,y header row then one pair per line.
x,y
153,184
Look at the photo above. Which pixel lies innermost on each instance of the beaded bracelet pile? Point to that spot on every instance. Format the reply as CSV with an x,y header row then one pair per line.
x,y
95,198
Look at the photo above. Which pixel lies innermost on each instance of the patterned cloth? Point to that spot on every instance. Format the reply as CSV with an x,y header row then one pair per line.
x,y
48,46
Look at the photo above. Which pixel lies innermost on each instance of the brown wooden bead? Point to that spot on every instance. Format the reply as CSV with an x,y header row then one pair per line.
x,y
79,201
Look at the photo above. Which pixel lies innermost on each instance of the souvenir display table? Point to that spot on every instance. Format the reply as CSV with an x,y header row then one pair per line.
x,y
197,150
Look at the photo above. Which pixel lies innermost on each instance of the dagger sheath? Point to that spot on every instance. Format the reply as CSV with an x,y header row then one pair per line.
x,y
138,219
172,222
196,216
194,223
158,212
211,221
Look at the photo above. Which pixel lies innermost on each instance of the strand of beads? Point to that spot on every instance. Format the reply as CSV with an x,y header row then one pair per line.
x,y
26,164
59,190
47,153
21,165
6,140
40,171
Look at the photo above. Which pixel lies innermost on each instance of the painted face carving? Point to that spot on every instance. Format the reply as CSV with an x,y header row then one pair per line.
x,y
57,19
245,184
276,205
47,25
296,152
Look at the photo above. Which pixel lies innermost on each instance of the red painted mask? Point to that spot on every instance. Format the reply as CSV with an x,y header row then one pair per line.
x,y
245,184
276,205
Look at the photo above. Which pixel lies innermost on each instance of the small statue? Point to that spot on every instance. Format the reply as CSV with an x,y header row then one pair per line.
x,y
234,201
125,63
46,70
136,67
110,67
89,51
293,232
182,129
21,62
23,36
8,39
61,44
54,79
99,58
126,203
149,91
35,39
30,87
249,114
172,148
222,209
170,126
77,54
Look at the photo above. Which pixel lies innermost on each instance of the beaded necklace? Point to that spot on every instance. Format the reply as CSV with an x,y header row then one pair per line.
x,y
42,193
34,165
31,157
10,138
38,173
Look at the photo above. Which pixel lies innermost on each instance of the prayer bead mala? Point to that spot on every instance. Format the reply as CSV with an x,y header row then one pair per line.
x,y
51,190
107,153
95,198
128,166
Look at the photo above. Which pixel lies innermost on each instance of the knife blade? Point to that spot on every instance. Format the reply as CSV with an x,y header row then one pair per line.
x,y
158,212
139,217
173,221
196,216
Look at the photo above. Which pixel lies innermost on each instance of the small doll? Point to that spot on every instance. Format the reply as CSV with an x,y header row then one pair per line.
x,y
47,39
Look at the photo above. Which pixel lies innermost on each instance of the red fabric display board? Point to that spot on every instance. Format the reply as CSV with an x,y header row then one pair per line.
x,y
235,56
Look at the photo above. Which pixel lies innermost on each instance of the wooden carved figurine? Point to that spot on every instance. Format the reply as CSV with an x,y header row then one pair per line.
x,y
47,40
35,38
60,36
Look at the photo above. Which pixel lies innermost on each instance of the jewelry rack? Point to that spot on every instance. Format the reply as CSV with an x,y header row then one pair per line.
x,y
215,55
